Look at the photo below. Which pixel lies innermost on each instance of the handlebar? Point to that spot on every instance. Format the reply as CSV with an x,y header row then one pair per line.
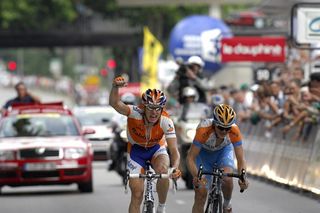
x,y
219,173
153,176
150,175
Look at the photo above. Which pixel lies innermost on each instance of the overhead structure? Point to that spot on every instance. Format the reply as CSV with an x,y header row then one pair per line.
x,y
148,3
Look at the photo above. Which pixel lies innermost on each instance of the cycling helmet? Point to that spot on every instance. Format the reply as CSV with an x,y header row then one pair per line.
x,y
154,97
196,60
128,98
224,115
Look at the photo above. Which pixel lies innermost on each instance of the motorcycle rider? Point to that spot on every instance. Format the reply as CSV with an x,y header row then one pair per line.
x,y
190,74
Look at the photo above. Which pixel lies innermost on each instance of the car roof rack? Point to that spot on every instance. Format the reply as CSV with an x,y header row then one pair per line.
x,y
50,107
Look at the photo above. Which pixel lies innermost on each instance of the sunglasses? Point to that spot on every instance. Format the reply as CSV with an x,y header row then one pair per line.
x,y
151,108
223,128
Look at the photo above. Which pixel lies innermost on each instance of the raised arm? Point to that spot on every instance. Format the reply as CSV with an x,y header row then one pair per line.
x,y
114,98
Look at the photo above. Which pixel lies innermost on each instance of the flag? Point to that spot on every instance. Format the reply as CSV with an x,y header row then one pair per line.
x,y
152,50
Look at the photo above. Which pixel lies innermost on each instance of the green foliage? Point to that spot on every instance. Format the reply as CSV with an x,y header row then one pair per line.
x,y
24,15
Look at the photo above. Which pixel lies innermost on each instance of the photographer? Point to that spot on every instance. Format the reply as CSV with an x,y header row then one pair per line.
x,y
190,75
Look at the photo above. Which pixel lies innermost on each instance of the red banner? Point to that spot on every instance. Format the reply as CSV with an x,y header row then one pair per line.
x,y
253,49
132,87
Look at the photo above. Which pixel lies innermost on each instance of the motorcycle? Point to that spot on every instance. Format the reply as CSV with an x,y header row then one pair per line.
x,y
186,126
118,150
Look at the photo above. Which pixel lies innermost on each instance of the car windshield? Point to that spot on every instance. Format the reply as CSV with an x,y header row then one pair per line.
x,y
94,117
43,125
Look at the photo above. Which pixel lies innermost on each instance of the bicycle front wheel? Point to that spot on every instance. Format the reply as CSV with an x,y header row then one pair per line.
x,y
215,205
149,207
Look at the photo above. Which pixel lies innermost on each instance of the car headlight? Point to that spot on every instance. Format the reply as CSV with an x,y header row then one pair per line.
x,y
74,153
191,133
6,155
123,134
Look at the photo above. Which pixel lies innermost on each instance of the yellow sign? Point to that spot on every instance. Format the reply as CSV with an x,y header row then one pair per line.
x,y
152,50
92,80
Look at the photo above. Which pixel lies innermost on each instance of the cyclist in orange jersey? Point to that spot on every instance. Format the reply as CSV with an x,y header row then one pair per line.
x,y
214,143
149,131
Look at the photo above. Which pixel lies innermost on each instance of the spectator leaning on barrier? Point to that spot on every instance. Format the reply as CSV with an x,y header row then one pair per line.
x,y
23,96
314,84
190,74
309,104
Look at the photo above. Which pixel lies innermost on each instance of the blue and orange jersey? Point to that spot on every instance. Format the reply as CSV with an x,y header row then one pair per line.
x,y
147,136
206,138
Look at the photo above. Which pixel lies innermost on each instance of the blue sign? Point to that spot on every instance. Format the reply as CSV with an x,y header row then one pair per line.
x,y
199,35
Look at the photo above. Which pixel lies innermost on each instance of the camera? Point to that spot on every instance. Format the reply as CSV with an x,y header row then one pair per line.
x,y
182,70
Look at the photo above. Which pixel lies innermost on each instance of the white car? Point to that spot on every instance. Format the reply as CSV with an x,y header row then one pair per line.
x,y
98,118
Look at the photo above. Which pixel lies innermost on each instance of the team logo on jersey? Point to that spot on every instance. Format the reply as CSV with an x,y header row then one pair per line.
x,y
137,109
131,165
170,128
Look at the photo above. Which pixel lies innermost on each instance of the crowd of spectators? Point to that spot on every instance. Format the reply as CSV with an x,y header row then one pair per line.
x,y
289,101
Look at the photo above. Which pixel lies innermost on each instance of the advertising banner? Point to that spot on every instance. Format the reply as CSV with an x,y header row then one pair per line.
x,y
199,35
253,49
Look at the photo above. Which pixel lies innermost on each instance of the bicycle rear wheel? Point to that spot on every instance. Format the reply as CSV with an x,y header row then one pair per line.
x,y
149,207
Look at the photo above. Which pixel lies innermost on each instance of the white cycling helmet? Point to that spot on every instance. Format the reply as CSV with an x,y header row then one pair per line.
x,y
190,92
196,60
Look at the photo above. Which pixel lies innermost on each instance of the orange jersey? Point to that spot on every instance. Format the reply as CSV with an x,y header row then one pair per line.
x,y
147,136
206,138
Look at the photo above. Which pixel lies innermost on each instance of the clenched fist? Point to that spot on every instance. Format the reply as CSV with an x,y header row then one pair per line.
x,y
119,82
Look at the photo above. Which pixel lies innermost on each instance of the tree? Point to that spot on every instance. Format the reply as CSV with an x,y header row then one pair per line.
x,y
26,15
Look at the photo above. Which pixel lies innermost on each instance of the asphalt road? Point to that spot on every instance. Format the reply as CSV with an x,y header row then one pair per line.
x,y
109,197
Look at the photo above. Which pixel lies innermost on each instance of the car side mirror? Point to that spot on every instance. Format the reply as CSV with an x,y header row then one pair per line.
x,y
88,131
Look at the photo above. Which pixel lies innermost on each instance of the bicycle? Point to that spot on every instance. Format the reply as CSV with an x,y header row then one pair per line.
x,y
214,201
149,176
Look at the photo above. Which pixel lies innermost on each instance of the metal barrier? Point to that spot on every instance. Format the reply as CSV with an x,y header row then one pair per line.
x,y
284,157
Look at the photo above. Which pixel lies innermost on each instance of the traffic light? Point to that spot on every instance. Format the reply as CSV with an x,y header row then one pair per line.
x,y
103,72
111,64
12,66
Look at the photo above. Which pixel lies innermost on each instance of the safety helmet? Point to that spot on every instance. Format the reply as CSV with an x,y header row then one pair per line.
x,y
154,97
196,60
128,98
189,91
224,115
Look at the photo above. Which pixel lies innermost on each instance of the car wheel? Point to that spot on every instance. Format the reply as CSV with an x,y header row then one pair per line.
x,y
86,187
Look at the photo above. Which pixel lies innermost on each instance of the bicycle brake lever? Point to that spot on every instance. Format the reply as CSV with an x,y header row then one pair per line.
x,y
242,178
199,175
126,182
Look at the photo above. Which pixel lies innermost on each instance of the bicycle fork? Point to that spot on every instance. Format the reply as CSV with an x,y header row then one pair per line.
x,y
148,196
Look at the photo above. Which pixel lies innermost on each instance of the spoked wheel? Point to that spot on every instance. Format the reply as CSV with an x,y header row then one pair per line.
x,y
215,206
149,207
